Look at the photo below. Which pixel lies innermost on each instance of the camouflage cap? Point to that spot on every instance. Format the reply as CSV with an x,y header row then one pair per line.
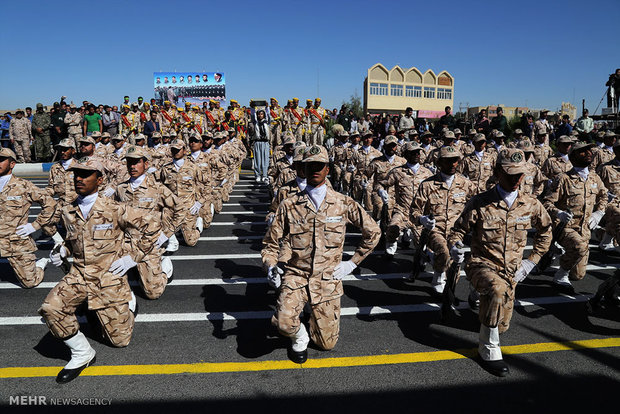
x,y
88,140
499,134
512,161
206,135
449,135
542,131
140,137
137,153
156,135
87,164
72,106
96,134
449,152
479,137
544,110
118,137
457,131
367,134
564,139
574,133
518,131
66,143
427,133
390,139
39,105
316,154
526,146
288,140
7,153
299,144
178,144
105,135
609,134
354,133
412,132
472,132
299,153
173,133
343,133
580,145
600,134
411,146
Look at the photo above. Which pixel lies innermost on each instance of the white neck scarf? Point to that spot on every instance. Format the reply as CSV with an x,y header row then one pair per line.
x,y
196,154
3,180
583,172
301,183
479,154
414,167
316,194
86,203
289,158
391,159
66,163
136,182
508,197
179,163
448,179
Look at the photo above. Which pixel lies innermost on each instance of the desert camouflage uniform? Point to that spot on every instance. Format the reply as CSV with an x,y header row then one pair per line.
x,y
276,120
349,161
361,160
205,186
295,124
610,175
316,240
283,168
95,243
555,166
375,173
74,125
154,199
60,184
15,201
541,153
570,193
337,156
446,205
425,154
479,171
499,237
20,130
184,184
317,131
602,156
405,183
533,181
220,165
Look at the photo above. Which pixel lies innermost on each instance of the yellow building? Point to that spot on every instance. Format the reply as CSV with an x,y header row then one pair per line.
x,y
393,90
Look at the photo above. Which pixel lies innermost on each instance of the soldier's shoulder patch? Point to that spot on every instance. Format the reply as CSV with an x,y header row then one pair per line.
x,y
516,157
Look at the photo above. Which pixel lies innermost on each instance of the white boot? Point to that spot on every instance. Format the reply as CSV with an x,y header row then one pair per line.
x,y
173,244
42,263
212,209
57,239
199,224
561,278
81,351
607,243
166,266
439,281
488,346
300,339
391,248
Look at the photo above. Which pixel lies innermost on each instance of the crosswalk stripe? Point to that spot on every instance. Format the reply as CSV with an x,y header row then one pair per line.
x,y
266,314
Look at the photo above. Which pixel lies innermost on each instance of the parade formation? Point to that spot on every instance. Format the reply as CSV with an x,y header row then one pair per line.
x,y
123,201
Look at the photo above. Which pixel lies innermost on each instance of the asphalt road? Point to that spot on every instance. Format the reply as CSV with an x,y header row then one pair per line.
x,y
394,353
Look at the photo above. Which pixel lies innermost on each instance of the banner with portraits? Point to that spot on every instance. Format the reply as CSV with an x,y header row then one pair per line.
x,y
193,87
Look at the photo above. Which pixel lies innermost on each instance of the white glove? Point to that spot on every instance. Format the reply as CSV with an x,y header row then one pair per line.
x,y
344,268
384,195
195,208
595,218
427,222
109,192
351,168
432,168
457,253
224,181
25,230
122,265
524,270
270,219
161,239
274,276
151,170
364,184
331,159
565,216
56,258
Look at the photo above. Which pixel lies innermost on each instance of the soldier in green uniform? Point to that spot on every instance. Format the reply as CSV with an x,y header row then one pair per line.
x,y
41,122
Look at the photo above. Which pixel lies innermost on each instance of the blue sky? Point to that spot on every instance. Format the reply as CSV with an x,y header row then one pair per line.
x,y
529,52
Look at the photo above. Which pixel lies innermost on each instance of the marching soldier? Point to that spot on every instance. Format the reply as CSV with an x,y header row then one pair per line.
x,y
20,135
96,230
149,197
314,222
282,172
606,153
405,180
292,187
610,175
577,198
200,158
349,161
337,156
558,164
183,179
377,171
498,220
362,159
542,150
427,148
16,243
534,180
444,196
479,165
276,120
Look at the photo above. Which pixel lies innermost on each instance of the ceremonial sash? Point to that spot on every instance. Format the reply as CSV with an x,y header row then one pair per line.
x,y
315,113
210,116
198,127
142,116
168,118
273,114
296,115
185,117
225,125
126,121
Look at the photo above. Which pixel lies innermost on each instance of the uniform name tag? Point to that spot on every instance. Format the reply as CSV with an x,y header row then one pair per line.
x,y
146,199
337,219
203,164
187,177
108,226
523,219
594,185
13,198
461,194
